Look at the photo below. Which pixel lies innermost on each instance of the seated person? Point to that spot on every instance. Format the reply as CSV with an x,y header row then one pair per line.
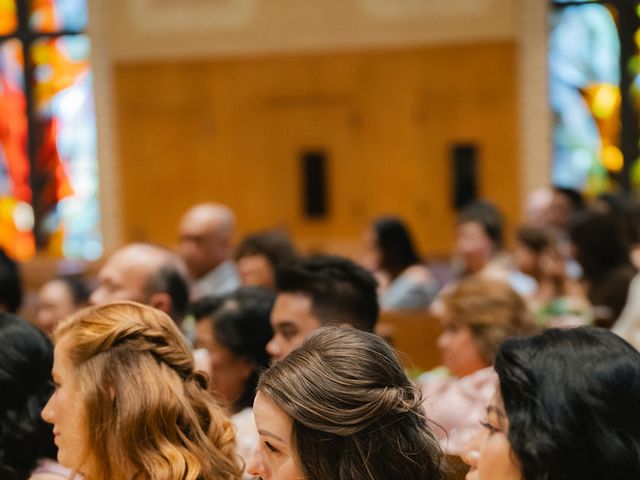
x,y
235,333
260,254
558,301
605,260
27,446
477,315
566,407
479,248
129,404
341,407
144,273
206,245
59,298
317,291
406,281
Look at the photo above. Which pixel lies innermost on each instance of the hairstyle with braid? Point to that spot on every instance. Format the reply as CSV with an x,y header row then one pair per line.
x,y
147,412
355,414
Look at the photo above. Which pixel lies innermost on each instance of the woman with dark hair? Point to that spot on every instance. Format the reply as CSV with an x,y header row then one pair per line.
x,y
406,282
604,257
566,408
235,332
260,254
26,441
341,407
558,300
59,298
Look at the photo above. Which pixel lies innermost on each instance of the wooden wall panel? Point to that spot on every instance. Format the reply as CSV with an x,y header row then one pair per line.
x,y
232,130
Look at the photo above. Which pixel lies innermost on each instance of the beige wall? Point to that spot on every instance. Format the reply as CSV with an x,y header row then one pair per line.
x,y
144,29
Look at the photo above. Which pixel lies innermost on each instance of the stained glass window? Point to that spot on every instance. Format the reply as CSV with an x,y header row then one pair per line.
x,y
8,17
48,161
55,16
590,95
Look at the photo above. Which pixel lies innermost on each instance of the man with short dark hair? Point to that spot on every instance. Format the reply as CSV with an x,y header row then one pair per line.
x,y
146,274
318,291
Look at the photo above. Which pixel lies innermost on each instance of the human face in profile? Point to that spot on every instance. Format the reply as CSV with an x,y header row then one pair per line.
x,y
125,276
473,246
292,321
228,372
256,271
273,458
489,453
460,353
65,411
55,302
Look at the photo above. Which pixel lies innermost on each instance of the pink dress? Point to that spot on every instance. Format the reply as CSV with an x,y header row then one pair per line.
x,y
457,405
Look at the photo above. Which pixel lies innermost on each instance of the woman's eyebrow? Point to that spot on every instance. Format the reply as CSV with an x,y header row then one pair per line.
x,y
266,433
496,410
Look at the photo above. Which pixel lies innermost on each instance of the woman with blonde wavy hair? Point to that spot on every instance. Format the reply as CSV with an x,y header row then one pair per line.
x,y
128,403
341,408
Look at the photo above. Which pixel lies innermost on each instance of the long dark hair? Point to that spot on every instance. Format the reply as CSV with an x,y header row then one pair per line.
x,y
600,247
572,399
242,325
26,359
394,240
356,415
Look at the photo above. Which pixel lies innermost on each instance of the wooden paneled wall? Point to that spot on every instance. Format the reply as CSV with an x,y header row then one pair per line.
x,y
233,130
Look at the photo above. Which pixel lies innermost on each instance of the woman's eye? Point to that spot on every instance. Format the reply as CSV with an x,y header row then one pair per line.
x,y
489,427
271,447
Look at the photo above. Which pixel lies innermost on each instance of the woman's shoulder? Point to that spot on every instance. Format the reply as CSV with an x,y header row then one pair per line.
x,y
414,289
419,273
50,470
48,476
440,382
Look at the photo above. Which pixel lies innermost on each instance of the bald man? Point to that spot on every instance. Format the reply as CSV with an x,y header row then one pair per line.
x,y
147,274
205,245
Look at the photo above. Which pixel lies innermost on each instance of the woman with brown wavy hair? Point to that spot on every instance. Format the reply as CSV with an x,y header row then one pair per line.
x,y
477,314
128,403
341,408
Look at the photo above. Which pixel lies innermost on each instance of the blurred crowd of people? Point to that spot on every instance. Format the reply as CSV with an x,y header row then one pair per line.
x,y
225,360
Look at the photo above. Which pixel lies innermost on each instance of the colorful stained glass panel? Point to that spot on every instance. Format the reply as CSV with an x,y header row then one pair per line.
x,y
16,214
584,68
57,15
66,160
8,17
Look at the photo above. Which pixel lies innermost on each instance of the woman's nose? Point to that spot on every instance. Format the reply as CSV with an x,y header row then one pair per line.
x,y
255,466
471,452
47,414
442,341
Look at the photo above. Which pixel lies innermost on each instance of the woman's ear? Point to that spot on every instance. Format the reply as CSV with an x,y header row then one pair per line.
x,y
246,368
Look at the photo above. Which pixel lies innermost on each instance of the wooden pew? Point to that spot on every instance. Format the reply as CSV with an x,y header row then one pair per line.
x,y
414,336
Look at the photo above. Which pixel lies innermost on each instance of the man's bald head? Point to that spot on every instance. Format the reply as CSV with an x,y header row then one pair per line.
x,y
147,274
206,232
